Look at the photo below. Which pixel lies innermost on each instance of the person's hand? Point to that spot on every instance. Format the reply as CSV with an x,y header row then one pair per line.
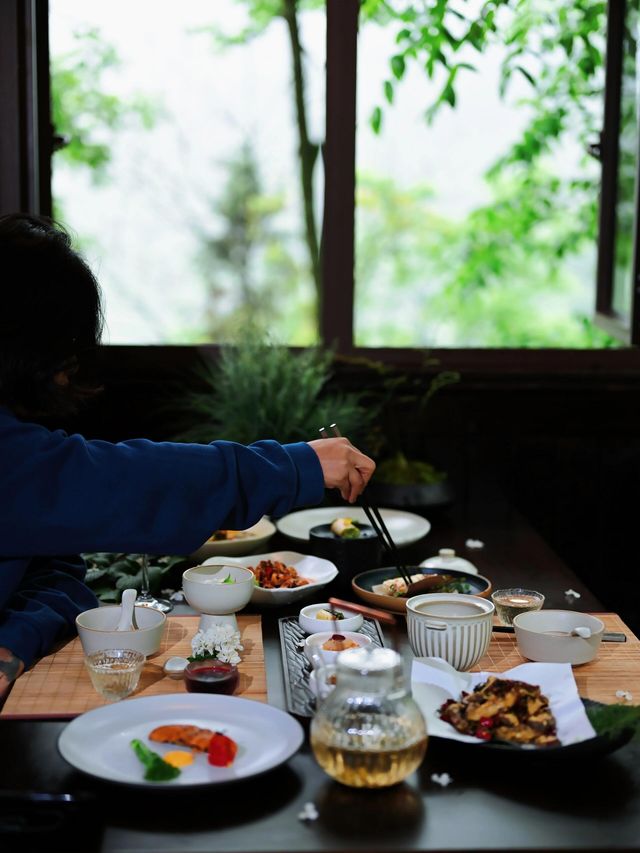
x,y
343,466
10,668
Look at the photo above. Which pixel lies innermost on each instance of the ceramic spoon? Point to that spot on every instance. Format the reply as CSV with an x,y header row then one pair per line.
x,y
127,611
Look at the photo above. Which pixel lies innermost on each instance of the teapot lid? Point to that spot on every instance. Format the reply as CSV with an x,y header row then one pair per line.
x,y
367,660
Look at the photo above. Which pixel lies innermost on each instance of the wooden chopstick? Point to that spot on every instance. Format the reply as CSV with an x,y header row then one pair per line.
x,y
376,520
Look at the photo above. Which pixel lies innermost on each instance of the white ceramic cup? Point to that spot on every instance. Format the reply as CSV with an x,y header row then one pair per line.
x,y
454,627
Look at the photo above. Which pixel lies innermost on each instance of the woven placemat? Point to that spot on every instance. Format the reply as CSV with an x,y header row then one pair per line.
x,y
58,686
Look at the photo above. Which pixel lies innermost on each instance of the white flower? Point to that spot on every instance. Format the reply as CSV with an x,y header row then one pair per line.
x,y
176,595
474,543
442,779
571,593
624,694
219,641
309,812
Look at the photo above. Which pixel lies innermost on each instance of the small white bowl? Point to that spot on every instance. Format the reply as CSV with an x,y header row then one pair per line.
x,y
545,636
207,595
311,625
314,642
97,630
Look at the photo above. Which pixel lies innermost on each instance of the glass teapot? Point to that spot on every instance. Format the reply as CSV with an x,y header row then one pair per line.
x,y
369,732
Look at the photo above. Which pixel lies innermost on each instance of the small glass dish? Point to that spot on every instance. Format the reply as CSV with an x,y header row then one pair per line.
x,y
211,676
510,602
115,673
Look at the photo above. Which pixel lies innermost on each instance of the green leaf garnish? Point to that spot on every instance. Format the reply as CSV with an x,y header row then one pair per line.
x,y
157,769
228,579
612,720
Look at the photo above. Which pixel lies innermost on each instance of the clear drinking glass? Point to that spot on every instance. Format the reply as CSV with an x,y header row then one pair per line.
x,y
369,732
145,599
115,673
510,602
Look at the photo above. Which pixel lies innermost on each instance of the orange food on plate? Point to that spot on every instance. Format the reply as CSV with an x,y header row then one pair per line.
x,y
272,574
228,535
183,735
338,643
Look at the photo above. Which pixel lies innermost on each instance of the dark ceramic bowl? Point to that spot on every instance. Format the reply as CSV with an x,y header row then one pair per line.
x,y
364,583
350,556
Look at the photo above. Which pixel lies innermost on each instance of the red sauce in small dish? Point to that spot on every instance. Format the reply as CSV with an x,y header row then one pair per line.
x,y
203,676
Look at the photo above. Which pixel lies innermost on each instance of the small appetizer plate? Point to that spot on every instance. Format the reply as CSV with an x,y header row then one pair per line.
x,y
405,527
310,623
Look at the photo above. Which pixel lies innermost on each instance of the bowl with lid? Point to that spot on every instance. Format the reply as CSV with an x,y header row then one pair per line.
x,y
558,636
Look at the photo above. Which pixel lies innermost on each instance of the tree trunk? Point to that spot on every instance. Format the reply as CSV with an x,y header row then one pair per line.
x,y
308,150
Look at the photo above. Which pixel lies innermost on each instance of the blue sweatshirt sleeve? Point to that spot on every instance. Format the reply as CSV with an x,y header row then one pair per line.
x,y
42,609
62,494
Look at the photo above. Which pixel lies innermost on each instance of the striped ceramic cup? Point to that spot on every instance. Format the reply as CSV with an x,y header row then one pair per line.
x,y
450,626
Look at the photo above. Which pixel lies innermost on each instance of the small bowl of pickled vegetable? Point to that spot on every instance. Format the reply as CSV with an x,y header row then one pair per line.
x,y
315,618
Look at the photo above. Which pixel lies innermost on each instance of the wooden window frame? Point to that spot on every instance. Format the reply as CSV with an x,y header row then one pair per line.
x,y
26,144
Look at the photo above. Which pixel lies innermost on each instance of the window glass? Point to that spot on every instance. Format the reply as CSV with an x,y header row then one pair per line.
x,y
627,171
476,201
181,177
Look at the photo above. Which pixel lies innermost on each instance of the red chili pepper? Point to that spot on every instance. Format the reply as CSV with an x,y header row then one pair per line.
x,y
222,750
487,722
483,734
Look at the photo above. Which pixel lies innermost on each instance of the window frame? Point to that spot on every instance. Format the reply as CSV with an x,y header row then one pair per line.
x,y
26,147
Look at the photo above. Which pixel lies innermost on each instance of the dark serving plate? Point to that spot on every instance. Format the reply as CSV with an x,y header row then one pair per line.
x,y
364,582
595,747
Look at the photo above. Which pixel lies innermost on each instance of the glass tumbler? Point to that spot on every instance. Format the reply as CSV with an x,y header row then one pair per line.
x,y
369,732
115,673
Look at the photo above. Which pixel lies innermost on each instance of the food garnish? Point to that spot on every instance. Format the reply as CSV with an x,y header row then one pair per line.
x,y
332,615
505,710
345,528
157,769
272,574
222,750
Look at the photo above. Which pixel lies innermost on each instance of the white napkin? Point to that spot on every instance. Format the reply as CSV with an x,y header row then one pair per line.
x,y
433,681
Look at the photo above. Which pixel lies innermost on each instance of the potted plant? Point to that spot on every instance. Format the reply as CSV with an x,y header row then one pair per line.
x,y
257,389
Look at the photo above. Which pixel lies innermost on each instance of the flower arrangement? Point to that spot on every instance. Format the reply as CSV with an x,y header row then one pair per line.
x,y
221,642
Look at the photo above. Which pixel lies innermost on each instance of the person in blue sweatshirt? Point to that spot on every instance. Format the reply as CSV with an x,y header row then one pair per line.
x,y
61,495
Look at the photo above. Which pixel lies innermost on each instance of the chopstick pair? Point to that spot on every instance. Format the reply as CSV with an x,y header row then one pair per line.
x,y
377,522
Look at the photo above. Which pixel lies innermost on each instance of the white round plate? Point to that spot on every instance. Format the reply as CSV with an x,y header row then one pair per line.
x,y
404,527
99,742
257,537
318,570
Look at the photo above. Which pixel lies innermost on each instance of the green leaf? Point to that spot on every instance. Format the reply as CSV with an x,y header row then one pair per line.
x,y
157,770
611,720
388,91
398,66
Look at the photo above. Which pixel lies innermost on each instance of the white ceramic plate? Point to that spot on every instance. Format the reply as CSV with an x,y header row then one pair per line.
x,y
319,571
99,742
404,527
257,537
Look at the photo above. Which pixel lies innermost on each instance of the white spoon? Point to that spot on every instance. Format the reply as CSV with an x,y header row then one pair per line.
x,y
127,611
583,632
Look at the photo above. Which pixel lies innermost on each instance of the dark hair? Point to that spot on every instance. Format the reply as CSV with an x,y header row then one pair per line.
x,y
50,317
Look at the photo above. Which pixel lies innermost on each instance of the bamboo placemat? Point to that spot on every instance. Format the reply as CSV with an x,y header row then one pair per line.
x,y
58,686
617,666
